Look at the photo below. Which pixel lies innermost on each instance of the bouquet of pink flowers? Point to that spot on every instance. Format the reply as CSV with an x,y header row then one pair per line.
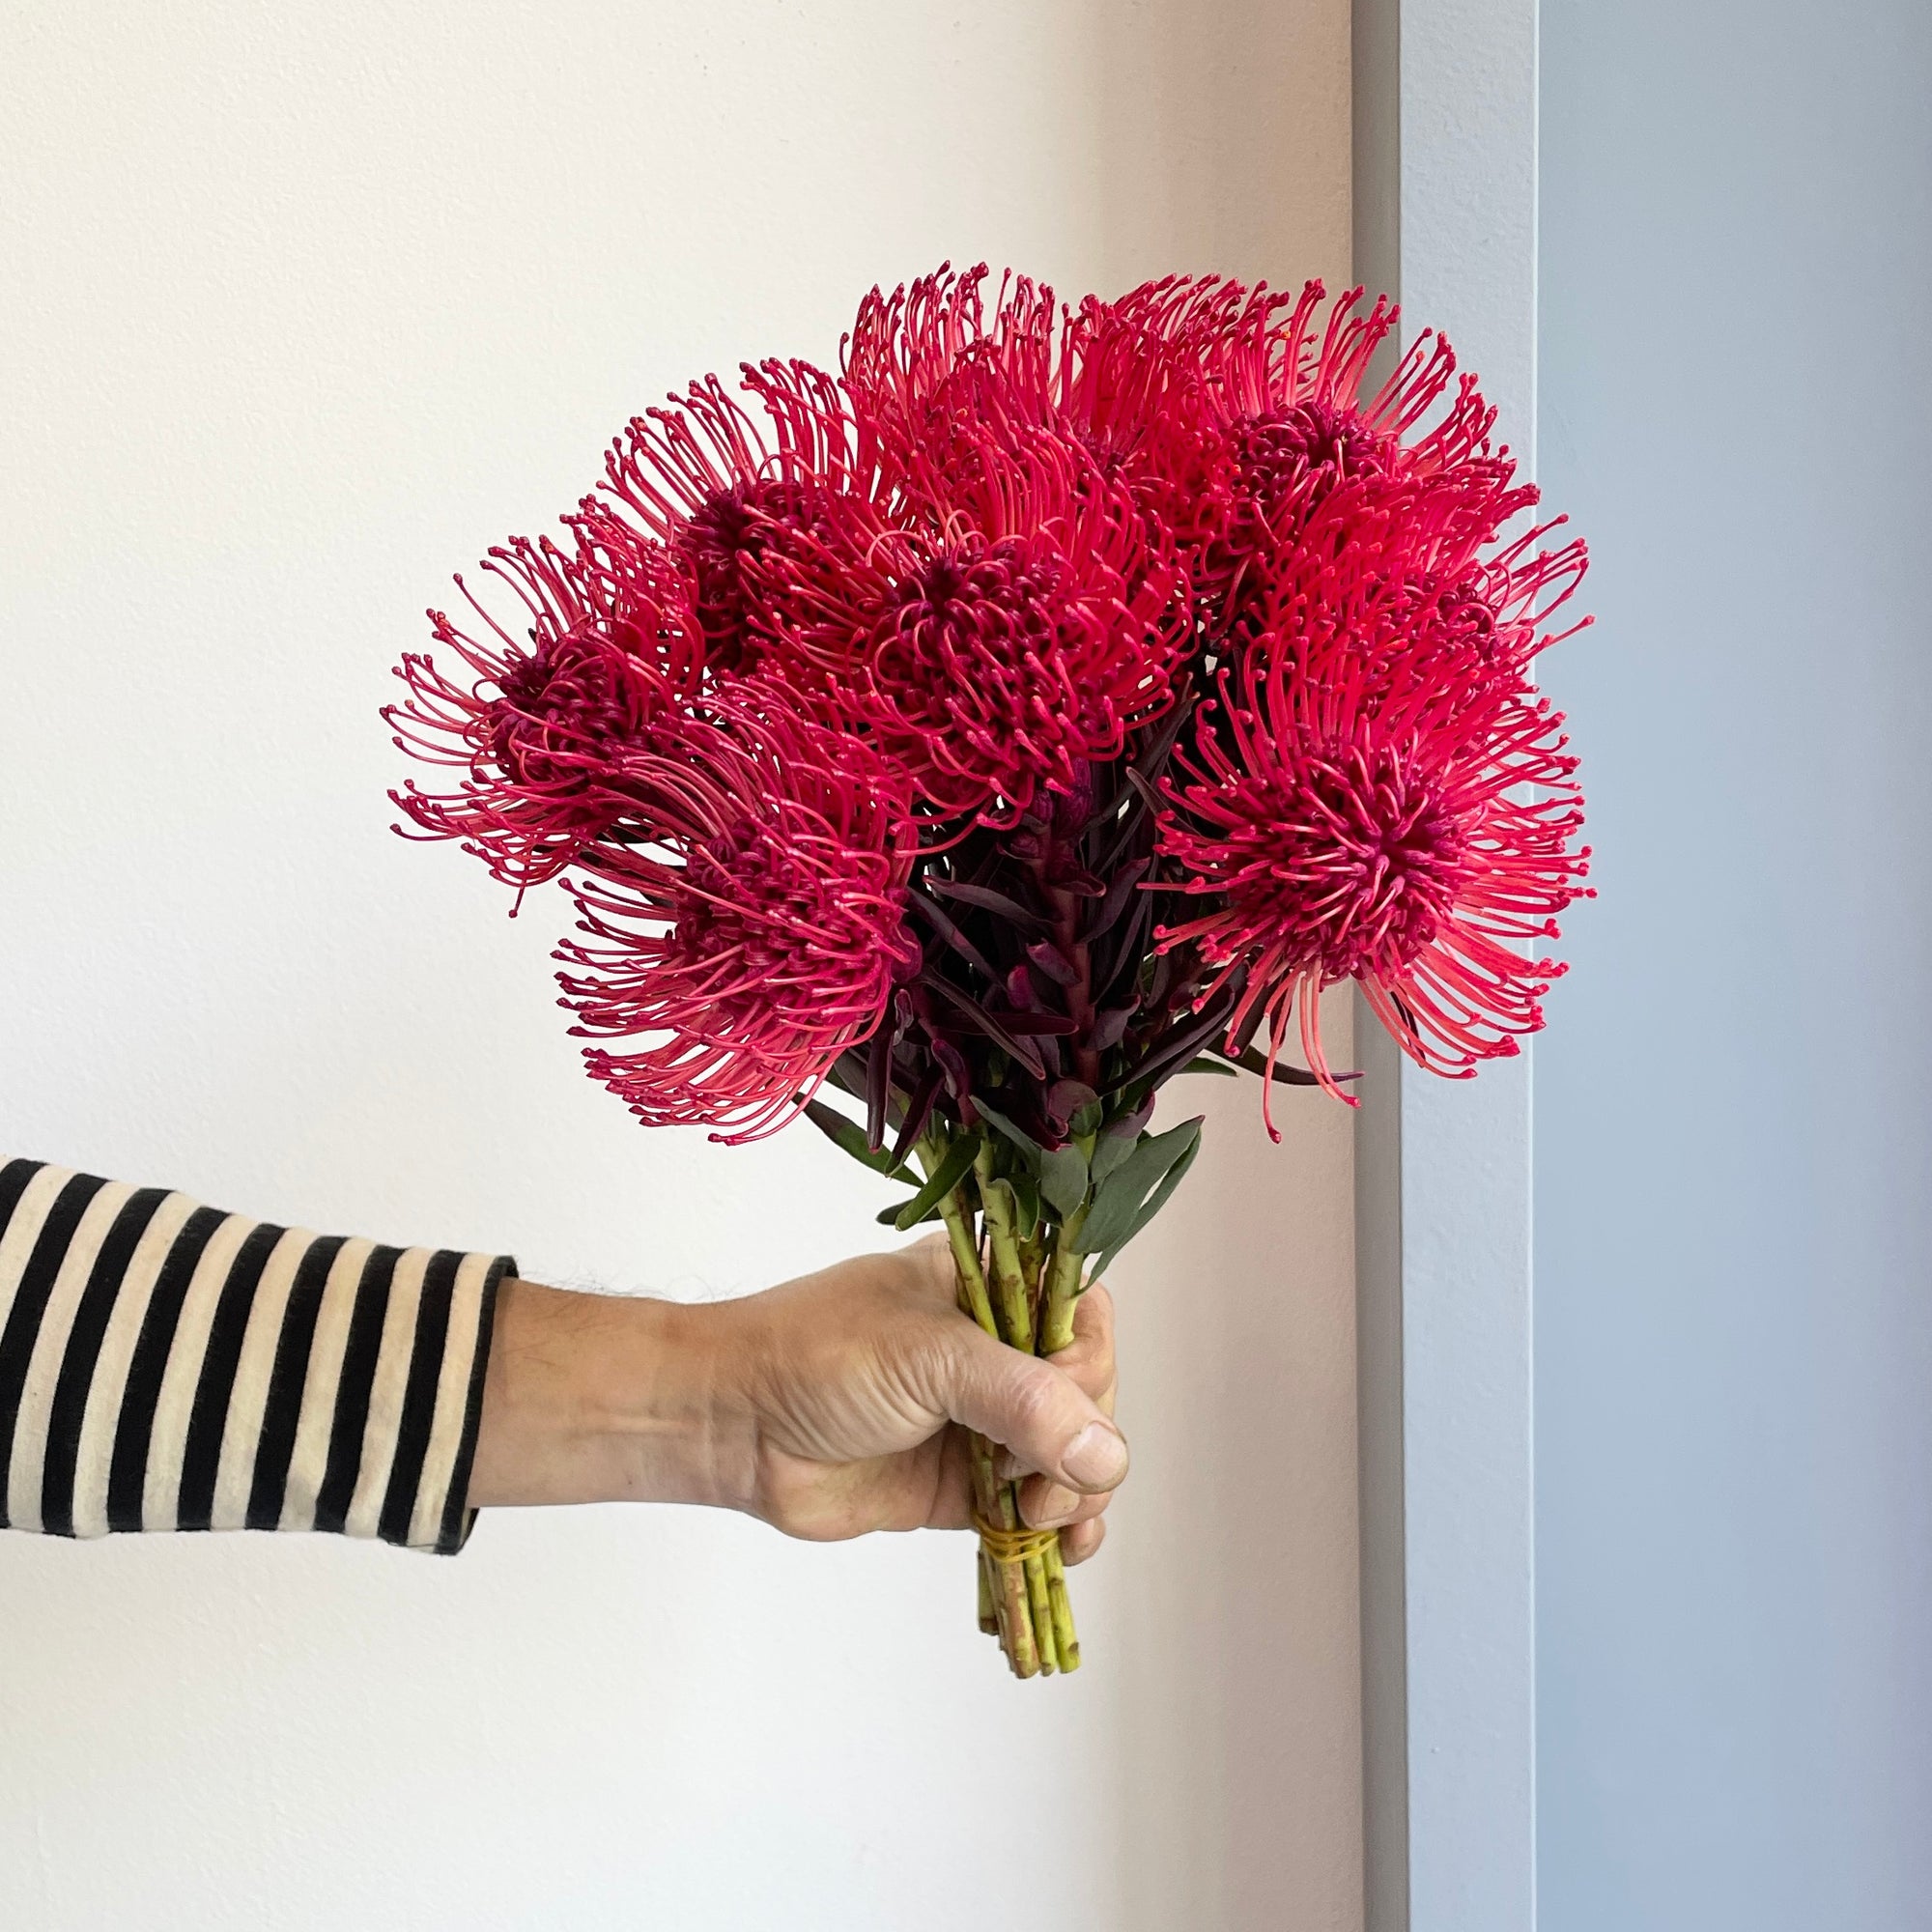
x,y
1054,700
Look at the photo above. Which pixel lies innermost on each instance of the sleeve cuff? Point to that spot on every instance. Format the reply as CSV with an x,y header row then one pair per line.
x,y
165,1366
455,1518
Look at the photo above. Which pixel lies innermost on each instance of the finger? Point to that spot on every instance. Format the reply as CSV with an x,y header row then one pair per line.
x,y
1088,1358
1080,1542
952,1506
1028,1406
930,1274
1045,1504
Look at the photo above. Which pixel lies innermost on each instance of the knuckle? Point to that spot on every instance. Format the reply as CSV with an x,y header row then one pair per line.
x,y
1034,1397
935,1257
1094,1376
1082,1540
924,1354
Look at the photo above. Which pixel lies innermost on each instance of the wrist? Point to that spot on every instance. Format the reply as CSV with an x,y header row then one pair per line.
x,y
597,1398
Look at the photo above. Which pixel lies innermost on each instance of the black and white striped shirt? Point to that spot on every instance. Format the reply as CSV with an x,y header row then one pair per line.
x,y
167,1366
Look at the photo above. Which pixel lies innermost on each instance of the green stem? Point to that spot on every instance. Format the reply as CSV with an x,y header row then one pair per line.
x,y
1062,1285
989,1613
954,1211
1025,1603
1039,1600
1002,1238
1059,1297
1005,1593
1065,1640
1014,1592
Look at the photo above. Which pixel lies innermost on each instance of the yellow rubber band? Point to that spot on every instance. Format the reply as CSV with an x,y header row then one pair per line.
x,y
1013,1546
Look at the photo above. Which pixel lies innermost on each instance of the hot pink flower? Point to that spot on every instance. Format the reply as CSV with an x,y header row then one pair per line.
x,y
1013,622
1289,383
935,366
919,364
755,929
536,726
721,486
1230,412
1376,799
1404,573
1282,387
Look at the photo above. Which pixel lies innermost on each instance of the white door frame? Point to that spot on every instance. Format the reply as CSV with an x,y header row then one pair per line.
x,y
1446,167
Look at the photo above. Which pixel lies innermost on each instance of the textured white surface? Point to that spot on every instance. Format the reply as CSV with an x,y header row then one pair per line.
x,y
300,307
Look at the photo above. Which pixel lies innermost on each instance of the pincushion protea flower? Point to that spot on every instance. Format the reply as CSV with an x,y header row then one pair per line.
x,y
536,726
933,366
1347,821
752,925
1378,794
1047,704
1005,626
720,486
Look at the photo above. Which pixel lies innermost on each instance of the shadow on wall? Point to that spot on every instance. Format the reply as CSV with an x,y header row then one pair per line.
x,y
1226,142
1240,1749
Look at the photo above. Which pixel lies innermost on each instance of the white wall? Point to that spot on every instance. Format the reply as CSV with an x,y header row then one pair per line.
x,y
299,310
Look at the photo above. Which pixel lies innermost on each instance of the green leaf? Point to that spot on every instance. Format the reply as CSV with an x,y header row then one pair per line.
x,y
851,1136
945,1176
1026,1196
1151,1207
1021,1139
1061,1171
1201,1064
1111,1221
1115,1145
1062,1178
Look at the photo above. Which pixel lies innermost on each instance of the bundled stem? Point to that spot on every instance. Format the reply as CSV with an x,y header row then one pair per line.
x,y
1023,1596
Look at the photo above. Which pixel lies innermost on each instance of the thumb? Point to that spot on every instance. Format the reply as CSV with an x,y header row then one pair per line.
x,y
1030,1407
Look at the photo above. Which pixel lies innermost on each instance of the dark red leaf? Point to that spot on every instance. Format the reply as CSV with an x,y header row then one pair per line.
x,y
1027,1055
991,901
1053,962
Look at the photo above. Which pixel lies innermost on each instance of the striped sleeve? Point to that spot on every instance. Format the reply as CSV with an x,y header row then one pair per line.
x,y
167,1366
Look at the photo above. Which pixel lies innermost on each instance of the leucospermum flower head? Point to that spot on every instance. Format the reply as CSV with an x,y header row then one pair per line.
x,y
533,723
1281,411
721,484
936,365
748,925
1379,797
1007,624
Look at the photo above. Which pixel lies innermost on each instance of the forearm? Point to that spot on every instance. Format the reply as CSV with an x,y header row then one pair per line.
x,y
599,1397
168,1366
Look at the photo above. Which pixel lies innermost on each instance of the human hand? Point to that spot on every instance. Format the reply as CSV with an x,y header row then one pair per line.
x,y
831,1405
864,1379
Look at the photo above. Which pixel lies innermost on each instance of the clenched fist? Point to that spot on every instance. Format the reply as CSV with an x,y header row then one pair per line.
x,y
831,1405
